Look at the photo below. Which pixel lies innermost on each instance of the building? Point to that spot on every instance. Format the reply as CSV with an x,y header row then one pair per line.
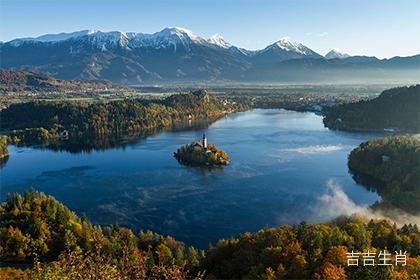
x,y
204,141
64,134
201,144
385,158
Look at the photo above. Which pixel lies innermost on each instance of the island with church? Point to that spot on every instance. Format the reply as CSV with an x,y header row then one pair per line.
x,y
199,153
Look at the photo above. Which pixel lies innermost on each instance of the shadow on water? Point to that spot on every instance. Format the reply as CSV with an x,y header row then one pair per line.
x,y
89,142
368,182
390,199
3,161
204,170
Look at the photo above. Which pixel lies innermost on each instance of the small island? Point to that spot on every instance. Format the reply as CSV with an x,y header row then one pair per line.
x,y
199,153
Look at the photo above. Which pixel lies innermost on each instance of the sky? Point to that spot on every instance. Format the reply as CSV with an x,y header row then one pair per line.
x,y
383,28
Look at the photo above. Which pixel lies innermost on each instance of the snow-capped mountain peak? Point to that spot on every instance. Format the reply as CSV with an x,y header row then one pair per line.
x,y
287,49
61,36
218,40
170,37
181,30
99,38
177,31
336,53
106,40
288,45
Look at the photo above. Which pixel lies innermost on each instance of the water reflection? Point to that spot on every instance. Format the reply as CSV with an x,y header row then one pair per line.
x,y
3,161
87,143
282,162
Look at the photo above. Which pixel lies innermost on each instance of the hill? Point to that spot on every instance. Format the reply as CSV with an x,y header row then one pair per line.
x,y
16,81
394,109
4,152
50,120
54,243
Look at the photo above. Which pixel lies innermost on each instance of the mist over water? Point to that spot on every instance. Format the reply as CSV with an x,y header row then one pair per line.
x,y
336,202
286,167
315,149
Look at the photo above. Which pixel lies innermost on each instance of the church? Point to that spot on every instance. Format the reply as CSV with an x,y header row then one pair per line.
x,y
201,144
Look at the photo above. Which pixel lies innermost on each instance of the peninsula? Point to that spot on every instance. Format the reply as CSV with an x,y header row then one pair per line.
x,y
38,122
394,110
390,166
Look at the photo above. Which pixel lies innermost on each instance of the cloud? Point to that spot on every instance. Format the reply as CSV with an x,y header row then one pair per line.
x,y
315,149
335,202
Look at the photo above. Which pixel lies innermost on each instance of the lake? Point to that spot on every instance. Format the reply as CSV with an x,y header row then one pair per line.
x,y
286,167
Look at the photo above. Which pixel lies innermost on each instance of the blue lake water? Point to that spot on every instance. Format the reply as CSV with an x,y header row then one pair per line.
x,y
286,167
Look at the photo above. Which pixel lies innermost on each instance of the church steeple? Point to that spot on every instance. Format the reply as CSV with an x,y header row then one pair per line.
x,y
204,141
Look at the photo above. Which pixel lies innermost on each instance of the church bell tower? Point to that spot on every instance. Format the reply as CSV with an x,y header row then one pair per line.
x,y
204,141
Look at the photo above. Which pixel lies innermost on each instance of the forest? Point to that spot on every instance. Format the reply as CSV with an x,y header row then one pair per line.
x,y
395,109
4,152
18,81
391,167
40,238
48,120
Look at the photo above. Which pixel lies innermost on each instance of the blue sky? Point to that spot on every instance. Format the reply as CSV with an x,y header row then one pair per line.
x,y
384,28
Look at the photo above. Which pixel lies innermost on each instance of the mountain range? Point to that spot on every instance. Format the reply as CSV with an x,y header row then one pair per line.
x,y
178,55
